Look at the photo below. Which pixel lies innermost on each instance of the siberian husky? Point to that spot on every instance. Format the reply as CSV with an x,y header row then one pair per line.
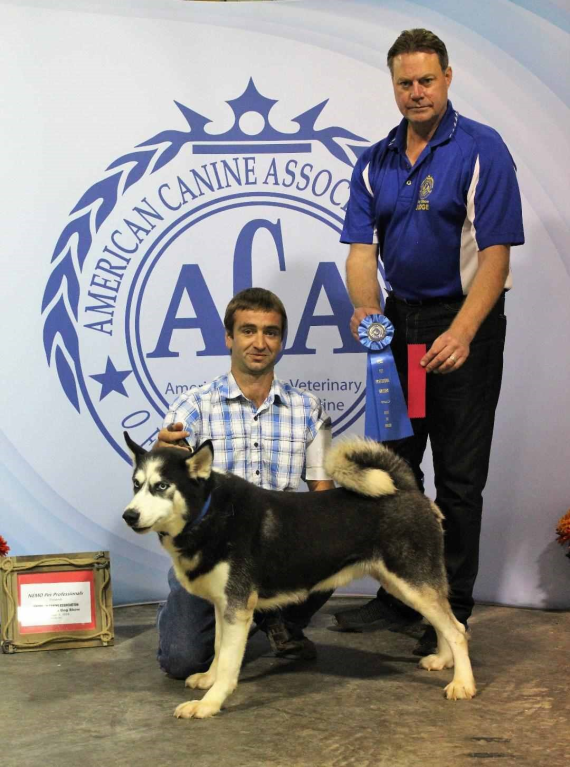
x,y
245,548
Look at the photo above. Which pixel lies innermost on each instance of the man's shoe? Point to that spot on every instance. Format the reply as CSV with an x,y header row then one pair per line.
x,y
427,645
289,641
378,613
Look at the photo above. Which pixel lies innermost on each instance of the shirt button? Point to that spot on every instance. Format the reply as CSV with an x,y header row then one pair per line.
x,y
257,472
409,183
255,418
256,444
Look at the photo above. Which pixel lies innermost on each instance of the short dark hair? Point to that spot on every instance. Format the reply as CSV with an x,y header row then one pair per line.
x,y
255,299
418,40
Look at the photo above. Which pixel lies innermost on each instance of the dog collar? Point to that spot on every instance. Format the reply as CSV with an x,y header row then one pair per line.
x,y
204,510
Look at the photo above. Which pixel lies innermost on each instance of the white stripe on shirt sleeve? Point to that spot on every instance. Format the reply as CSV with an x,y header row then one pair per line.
x,y
468,258
366,179
368,185
469,251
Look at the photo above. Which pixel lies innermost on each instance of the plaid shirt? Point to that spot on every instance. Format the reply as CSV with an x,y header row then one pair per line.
x,y
265,445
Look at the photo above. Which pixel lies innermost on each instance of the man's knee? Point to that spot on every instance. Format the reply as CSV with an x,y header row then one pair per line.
x,y
180,663
186,633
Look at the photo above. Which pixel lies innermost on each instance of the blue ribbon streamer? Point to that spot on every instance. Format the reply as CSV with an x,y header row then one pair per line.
x,y
386,415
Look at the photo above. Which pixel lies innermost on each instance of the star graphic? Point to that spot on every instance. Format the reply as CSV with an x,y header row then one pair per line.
x,y
111,380
251,99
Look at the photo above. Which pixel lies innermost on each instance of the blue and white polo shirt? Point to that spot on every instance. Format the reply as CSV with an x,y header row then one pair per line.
x,y
430,220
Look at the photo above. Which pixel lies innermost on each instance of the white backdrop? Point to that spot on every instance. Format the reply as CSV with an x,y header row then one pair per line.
x,y
159,155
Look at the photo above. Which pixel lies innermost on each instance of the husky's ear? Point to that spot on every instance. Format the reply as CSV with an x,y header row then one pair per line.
x,y
136,450
200,463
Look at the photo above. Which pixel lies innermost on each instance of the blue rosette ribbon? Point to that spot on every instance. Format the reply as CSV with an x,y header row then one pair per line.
x,y
386,415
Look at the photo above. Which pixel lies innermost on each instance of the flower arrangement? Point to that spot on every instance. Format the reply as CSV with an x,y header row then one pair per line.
x,y
563,530
4,548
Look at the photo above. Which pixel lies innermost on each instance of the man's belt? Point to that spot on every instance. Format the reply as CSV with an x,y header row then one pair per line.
x,y
457,298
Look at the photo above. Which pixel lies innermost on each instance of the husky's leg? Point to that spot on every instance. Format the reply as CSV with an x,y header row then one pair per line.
x,y
439,614
443,657
451,639
206,679
235,628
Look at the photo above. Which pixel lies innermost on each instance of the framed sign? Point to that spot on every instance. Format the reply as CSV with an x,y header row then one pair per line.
x,y
55,602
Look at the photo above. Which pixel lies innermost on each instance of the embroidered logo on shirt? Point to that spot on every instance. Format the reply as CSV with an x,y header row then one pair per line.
x,y
425,190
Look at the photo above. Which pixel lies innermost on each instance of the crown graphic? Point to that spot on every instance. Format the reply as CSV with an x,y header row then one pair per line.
x,y
265,139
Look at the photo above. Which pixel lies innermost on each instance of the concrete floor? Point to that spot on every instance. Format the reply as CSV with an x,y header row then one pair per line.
x,y
363,703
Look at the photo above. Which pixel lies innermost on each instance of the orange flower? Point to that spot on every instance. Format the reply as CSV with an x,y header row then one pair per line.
x,y
563,528
4,548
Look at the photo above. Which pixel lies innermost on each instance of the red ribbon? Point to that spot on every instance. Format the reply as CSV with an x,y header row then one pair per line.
x,y
416,381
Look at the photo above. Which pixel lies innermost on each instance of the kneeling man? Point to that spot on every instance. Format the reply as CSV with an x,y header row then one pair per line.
x,y
265,431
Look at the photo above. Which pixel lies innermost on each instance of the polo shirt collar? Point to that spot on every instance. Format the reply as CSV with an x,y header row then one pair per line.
x,y
398,143
447,126
444,132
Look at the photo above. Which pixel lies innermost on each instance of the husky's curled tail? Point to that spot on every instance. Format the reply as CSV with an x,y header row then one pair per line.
x,y
368,468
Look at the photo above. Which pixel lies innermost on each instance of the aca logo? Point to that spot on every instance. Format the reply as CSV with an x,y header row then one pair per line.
x,y
153,252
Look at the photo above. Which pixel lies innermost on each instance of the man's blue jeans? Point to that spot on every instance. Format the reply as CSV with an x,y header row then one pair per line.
x,y
460,416
186,632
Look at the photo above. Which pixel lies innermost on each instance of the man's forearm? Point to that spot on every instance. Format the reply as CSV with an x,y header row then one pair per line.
x,y
320,484
450,350
362,276
487,286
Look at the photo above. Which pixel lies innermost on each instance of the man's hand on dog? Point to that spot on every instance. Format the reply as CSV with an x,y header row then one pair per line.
x,y
173,436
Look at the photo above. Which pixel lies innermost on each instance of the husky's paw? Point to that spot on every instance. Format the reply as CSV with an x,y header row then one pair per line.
x,y
196,709
435,663
200,681
460,690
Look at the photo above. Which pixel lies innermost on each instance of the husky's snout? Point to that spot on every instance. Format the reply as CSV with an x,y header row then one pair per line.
x,y
131,517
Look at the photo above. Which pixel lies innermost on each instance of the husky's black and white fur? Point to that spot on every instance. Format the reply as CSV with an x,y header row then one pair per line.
x,y
244,548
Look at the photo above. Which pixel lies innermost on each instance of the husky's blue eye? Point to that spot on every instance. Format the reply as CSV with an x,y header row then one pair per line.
x,y
163,486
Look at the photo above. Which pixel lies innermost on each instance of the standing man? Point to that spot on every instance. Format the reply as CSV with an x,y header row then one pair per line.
x,y
438,198
265,431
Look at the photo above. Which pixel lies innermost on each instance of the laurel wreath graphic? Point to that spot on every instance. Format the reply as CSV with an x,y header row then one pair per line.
x,y
60,304
61,296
